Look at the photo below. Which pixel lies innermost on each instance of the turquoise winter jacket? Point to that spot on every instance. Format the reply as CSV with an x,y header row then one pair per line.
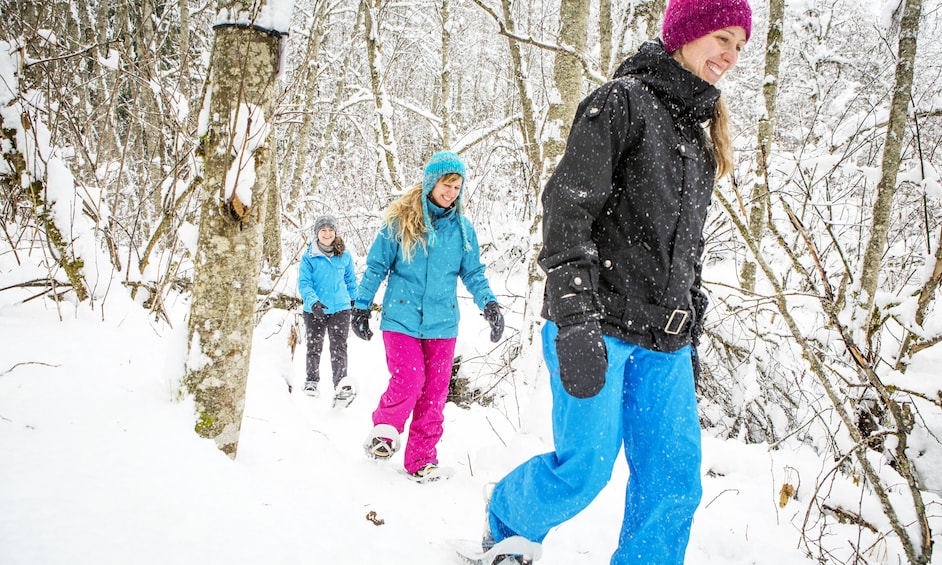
x,y
421,298
332,281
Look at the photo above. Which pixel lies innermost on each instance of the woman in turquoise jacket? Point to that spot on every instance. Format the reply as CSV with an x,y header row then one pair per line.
x,y
327,283
425,246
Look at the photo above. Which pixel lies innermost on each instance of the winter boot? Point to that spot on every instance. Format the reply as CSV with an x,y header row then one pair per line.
x,y
431,472
515,550
310,389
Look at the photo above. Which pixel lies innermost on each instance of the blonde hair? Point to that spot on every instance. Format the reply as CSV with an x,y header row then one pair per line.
x,y
719,135
406,220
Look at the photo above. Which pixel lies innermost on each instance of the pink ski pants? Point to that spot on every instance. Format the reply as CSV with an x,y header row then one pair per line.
x,y
420,370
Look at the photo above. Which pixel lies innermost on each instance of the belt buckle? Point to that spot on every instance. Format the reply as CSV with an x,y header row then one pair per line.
x,y
669,327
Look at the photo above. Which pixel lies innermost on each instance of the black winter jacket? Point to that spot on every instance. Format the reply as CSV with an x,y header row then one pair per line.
x,y
625,208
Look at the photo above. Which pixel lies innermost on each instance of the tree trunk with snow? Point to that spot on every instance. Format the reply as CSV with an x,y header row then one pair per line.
x,y
229,248
271,233
528,126
892,149
385,137
567,77
641,23
758,213
445,80
305,101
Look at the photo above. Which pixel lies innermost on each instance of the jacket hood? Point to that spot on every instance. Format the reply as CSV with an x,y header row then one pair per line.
x,y
684,93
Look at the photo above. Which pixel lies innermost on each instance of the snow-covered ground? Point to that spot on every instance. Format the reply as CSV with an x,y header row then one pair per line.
x,y
99,463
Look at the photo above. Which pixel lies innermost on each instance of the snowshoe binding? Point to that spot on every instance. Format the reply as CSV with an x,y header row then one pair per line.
x,y
429,473
310,389
515,550
344,393
382,442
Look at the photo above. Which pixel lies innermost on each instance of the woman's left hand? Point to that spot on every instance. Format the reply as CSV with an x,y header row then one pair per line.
x,y
495,319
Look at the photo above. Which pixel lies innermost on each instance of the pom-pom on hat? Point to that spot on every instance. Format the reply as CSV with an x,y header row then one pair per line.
x,y
686,20
325,221
439,165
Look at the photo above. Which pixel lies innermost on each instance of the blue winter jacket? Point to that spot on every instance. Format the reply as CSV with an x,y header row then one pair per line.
x,y
332,281
421,298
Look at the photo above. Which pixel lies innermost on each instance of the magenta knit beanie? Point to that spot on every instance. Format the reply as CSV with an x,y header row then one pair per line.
x,y
686,20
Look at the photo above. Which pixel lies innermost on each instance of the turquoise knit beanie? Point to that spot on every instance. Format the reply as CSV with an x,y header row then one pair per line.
x,y
439,165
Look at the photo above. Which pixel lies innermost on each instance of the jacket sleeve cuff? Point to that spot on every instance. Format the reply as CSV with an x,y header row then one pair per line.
x,y
571,296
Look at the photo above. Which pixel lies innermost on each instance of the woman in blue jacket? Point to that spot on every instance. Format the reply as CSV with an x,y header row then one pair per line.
x,y
327,284
425,245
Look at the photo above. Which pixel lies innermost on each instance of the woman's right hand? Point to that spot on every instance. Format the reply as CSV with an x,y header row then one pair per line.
x,y
360,323
583,358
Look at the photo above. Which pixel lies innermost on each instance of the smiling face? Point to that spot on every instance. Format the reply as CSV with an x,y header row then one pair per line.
x,y
445,192
326,236
713,55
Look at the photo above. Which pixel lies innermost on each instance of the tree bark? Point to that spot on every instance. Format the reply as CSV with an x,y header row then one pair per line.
x,y
892,149
567,78
386,139
528,127
445,81
271,233
759,210
229,249
605,37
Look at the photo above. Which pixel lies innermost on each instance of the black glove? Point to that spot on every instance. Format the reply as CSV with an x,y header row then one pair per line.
x,y
583,358
318,309
495,319
360,320
700,302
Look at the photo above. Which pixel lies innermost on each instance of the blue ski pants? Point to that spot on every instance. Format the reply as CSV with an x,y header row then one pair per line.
x,y
649,406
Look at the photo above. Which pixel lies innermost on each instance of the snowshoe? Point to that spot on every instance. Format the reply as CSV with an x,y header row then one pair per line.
x,y
429,473
344,393
515,550
382,442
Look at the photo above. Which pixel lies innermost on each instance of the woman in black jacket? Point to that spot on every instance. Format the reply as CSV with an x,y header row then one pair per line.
x,y
622,230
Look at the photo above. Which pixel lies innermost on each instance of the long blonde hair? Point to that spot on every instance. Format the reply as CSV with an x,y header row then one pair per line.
x,y
719,135
407,221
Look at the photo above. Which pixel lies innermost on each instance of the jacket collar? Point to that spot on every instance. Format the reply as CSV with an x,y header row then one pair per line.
x,y
685,94
436,212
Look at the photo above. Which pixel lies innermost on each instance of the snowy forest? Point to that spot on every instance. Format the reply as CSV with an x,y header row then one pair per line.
x,y
166,148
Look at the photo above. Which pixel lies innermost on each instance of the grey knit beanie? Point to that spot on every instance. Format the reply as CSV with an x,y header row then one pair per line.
x,y
325,221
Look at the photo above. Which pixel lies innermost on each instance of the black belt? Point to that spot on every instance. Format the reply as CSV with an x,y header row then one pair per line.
x,y
671,321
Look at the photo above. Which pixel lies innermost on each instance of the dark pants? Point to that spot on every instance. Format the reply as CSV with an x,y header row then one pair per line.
x,y
337,327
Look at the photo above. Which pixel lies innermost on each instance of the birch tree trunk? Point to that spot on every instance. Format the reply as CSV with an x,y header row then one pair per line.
x,y
567,78
386,139
304,97
892,149
605,37
229,249
759,209
445,81
271,232
528,125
